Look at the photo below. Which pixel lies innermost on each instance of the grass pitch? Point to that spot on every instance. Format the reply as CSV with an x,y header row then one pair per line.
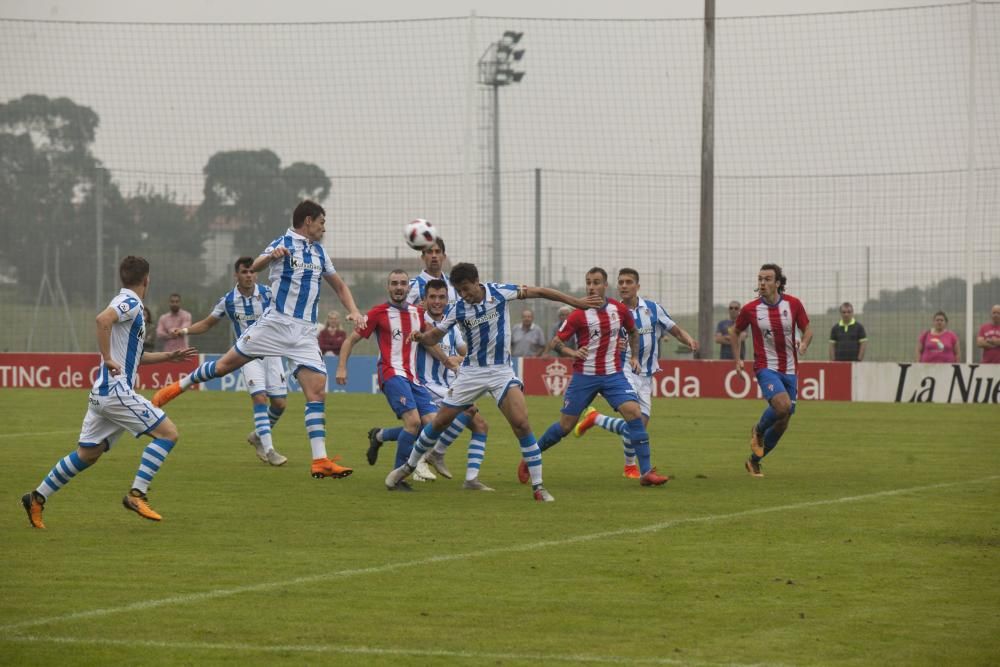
x,y
873,540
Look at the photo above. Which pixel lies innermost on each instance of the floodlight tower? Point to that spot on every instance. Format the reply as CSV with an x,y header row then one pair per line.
x,y
496,69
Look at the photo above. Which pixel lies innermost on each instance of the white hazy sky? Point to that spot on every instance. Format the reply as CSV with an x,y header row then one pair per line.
x,y
251,11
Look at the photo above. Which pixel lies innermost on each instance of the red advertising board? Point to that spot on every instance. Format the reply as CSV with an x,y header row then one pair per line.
x,y
822,381
78,371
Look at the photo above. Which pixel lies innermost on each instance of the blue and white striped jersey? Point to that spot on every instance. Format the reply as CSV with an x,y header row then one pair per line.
x,y
297,278
126,342
485,325
652,323
418,288
243,311
430,370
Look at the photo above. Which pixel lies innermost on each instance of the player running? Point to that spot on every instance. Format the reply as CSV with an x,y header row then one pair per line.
x,y
773,318
298,264
114,405
482,315
265,378
652,323
598,370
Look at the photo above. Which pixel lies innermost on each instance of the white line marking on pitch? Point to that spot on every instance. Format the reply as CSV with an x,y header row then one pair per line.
x,y
371,650
444,558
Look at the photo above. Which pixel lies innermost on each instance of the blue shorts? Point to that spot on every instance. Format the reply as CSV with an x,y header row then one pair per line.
x,y
773,383
404,396
582,389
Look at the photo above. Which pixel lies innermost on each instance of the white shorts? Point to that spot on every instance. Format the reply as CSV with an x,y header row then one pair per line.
x,y
121,410
266,375
278,335
643,385
438,392
474,381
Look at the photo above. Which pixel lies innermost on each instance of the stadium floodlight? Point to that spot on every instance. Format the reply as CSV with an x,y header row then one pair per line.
x,y
495,71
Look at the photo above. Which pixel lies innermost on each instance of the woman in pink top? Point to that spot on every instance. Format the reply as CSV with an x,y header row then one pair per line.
x,y
938,345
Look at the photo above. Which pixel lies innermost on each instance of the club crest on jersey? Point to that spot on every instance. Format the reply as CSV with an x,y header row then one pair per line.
x,y
556,378
124,307
397,334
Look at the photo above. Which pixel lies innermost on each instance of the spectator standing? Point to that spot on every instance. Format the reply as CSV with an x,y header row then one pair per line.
x,y
332,336
568,344
724,331
527,340
939,345
989,337
848,338
176,318
149,341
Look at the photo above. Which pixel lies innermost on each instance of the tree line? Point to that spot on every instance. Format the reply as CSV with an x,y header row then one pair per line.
x,y
50,181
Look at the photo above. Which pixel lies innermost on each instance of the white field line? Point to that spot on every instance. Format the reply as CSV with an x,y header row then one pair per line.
x,y
468,555
536,658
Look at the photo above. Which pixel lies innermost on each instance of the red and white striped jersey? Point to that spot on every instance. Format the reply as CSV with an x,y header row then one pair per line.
x,y
773,327
598,329
392,326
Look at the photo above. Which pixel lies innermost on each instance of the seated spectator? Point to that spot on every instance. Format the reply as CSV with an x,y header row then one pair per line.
x,y
989,337
332,336
938,345
847,337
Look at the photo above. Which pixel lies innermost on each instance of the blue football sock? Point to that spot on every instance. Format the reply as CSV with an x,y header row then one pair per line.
x,y
62,472
203,373
532,455
767,419
390,434
152,458
640,442
552,435
453,431
771,438
613,424
428,438
477,452
404,445
274,414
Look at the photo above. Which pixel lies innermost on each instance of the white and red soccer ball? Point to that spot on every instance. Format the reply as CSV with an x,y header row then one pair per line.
x,y
419,234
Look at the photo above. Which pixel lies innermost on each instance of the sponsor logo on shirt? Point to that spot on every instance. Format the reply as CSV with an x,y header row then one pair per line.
x,y
488,317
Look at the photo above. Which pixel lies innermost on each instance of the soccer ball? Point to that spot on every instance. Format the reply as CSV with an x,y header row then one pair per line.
x,y
419,234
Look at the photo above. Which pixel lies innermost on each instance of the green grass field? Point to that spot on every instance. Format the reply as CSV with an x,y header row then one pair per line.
x,y
874,539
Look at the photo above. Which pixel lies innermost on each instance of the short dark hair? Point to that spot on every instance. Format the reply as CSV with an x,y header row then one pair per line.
x,y
396,272
439,242
436,283
242,261
173,294
941,313
307,208
780,277
629,272
133,270
597,269
464,272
